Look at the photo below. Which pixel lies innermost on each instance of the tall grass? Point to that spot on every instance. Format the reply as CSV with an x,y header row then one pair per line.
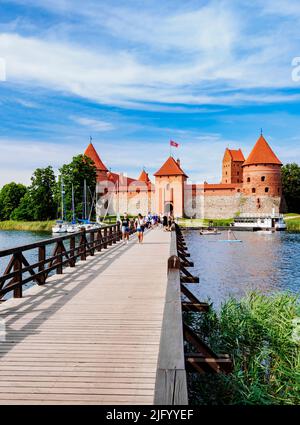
x,y
261,335
293,225
38,226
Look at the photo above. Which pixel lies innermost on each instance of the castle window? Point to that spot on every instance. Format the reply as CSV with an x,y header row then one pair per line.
x,y
238,173
248,180
138,190
168,187
238,180
266,189
263,178
258,200
278,190
253,190
226,173
238,190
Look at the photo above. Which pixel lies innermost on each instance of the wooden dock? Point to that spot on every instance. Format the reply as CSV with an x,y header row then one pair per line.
x,y
92,334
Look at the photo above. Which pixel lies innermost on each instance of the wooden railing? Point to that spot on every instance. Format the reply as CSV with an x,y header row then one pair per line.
x,y
19,271
171,385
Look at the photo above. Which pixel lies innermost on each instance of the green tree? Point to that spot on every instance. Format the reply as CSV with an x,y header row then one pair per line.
x,y
291,186
80,169
39,203
10,198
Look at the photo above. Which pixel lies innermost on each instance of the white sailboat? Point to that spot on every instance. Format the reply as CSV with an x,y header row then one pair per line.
x,y
61,225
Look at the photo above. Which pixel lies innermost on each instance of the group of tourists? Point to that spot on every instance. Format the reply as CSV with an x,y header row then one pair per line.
x,y
140,223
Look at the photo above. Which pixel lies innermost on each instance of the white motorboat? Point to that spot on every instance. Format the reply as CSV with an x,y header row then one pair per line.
x,y
73,228
260,221
60,228
209,231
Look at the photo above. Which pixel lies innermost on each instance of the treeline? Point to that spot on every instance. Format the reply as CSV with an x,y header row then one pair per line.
x,y
41,200
291,186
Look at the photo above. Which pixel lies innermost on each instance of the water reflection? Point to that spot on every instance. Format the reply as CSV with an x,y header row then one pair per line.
x,y
264,262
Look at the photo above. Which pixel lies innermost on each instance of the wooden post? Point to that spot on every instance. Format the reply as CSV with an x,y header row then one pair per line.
x,y
110,236
83,245
92,243
72,251
18,279
105,238
42,258
115,234
99,240
59,268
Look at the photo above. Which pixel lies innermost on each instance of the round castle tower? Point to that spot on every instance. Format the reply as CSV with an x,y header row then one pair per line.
x,y
262,171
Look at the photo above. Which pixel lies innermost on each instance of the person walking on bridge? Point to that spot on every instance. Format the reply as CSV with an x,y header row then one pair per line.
x,y
140,226
125,228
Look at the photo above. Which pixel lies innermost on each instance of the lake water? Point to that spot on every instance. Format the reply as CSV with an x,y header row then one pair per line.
x,y
14,238
264,262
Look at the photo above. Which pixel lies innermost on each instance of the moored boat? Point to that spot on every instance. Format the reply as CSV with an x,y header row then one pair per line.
x,y
260,221
209,231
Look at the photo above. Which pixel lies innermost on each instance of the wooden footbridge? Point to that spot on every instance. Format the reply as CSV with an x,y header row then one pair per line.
x,y
108,331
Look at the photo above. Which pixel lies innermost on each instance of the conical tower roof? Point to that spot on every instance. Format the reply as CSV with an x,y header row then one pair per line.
x,y
262,154
170,168
144,177
92,153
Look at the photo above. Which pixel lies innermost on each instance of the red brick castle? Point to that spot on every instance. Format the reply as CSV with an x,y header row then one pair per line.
x,y
248,186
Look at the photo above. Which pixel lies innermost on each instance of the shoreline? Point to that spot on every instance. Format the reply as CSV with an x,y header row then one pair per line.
x,y
33,226
293,224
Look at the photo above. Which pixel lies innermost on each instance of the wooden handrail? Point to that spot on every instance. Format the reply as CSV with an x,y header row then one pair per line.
x,y
82,244
171,385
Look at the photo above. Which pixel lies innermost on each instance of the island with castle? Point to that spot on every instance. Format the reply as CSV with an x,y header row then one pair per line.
x,y
248,186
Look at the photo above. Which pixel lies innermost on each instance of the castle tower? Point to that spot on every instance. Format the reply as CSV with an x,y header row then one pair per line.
x,y
100,167
232,170
262,172
169,188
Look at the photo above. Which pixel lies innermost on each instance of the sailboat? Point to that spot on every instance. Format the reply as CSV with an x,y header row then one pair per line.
x,y
230,239
85,222
73,227
61,225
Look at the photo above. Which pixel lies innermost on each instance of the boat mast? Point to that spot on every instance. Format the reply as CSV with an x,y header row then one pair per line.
x,y
84,195
73,205
62,200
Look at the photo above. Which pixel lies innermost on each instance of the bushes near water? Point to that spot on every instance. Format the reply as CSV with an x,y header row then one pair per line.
x,y
261,333
35,226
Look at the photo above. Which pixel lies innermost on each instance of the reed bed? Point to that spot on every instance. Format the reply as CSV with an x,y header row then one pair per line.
x,y
261,333
34,226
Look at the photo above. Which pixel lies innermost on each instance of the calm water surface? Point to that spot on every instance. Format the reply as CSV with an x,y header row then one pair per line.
x,y
14,238
265,262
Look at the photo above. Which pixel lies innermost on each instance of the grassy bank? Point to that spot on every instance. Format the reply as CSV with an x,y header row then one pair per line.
x,y
261,333
292,221
293,225
198,222
34,226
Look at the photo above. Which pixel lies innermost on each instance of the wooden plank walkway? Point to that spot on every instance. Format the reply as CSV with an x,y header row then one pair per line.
x,y
91,335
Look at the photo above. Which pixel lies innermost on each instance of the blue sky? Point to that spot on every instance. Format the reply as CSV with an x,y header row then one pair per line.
x,y
134,74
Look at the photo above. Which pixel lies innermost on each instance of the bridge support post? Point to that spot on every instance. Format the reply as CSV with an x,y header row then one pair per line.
x,y
42,258
18,279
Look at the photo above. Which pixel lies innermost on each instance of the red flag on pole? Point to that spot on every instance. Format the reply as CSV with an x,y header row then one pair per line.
x,y
172,143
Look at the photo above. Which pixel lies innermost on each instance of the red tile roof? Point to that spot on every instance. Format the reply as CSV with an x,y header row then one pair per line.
x,y
262,154
144,177
236,155
170,168
92,153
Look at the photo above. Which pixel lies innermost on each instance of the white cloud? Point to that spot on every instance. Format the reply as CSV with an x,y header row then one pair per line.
x,y
96,125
